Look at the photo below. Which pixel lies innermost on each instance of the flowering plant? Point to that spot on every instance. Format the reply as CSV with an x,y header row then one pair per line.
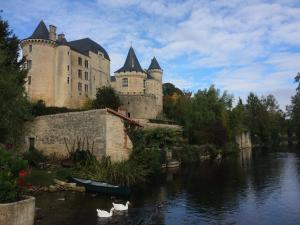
x,y
13,170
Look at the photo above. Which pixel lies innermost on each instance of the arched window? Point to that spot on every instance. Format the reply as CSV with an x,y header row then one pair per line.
x,y
125,82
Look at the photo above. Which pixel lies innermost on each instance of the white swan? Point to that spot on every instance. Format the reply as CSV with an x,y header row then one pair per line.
x,y
103,213
121,207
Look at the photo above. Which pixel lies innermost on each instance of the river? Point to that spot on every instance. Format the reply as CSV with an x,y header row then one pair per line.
x,y
252,188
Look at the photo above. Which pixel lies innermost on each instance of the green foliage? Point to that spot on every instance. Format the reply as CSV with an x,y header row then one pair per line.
x,y
10,165
39,108
145,159
122,173
264,120
294,110
208,117
170,89
106,98
34,157
14,107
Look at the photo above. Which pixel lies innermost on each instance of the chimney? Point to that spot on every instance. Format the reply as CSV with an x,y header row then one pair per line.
x,y
61,37
52,33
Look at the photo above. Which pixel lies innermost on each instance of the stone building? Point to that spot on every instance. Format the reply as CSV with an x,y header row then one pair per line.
x,y
140,90
101,131
67,74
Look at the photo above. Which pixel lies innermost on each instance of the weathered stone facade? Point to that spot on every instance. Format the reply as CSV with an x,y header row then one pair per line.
x,y
140,90
63,73
101,131
68,73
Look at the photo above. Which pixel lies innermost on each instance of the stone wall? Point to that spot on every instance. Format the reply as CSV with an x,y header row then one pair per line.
x,y
97,129
140,106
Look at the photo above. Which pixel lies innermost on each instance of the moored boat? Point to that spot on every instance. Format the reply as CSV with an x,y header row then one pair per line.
x,y
101,187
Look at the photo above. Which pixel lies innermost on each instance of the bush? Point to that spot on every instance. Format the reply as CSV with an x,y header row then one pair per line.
x,y
34,157
10,177
39,109
106,97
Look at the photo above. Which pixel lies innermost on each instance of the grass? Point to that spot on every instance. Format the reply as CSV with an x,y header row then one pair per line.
x,y
39,177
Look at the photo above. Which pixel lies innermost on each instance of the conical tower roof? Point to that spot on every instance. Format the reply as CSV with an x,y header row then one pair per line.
x,y
131,63
154,65
40,32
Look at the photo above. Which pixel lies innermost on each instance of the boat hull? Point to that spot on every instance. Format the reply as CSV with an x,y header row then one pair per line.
x,y
110,190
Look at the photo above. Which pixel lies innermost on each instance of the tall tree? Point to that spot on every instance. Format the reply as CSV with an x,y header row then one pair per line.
x,y
14,107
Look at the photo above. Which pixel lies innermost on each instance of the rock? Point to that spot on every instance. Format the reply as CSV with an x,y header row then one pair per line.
x,y
52,188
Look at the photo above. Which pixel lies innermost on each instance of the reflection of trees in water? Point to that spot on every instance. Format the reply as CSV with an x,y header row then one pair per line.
x,y
215,188
265,174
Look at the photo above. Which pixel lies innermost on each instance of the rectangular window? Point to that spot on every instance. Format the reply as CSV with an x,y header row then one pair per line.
x,y
80,74
68,80
86,88
68,67
29,80
80,61
30,48
86,75
29,64
144,83
86,64
79,86
125,82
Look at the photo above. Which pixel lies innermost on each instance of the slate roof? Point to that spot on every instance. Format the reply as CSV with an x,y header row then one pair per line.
x,y
154,65
40,32
85,45
131,63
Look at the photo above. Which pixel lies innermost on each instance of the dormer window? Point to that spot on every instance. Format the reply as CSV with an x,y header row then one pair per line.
x,y
125,82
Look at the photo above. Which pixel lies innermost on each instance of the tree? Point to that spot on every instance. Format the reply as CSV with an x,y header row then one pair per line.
x,y
295,109
106,97
14,107
170,89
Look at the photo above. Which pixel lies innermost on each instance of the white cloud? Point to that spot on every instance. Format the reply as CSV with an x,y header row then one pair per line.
x,y
247,45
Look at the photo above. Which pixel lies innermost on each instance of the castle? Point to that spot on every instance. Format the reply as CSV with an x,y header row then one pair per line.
x,y
68,73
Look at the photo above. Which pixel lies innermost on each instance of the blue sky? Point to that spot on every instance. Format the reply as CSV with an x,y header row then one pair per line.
x,y
238,45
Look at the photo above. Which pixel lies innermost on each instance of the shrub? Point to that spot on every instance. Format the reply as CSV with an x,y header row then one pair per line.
x,y
34,157
12,172
39,109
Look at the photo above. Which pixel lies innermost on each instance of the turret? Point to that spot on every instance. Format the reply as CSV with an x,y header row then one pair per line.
x,y
154,70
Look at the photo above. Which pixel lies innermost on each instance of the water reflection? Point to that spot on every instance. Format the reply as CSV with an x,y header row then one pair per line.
x,y
252,188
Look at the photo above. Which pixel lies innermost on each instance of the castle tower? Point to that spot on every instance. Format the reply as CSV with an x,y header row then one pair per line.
x,y
154,84
154,70
39,51
131,77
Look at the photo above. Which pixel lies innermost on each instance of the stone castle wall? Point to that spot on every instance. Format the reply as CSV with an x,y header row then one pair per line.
x,y
104,131
139,106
